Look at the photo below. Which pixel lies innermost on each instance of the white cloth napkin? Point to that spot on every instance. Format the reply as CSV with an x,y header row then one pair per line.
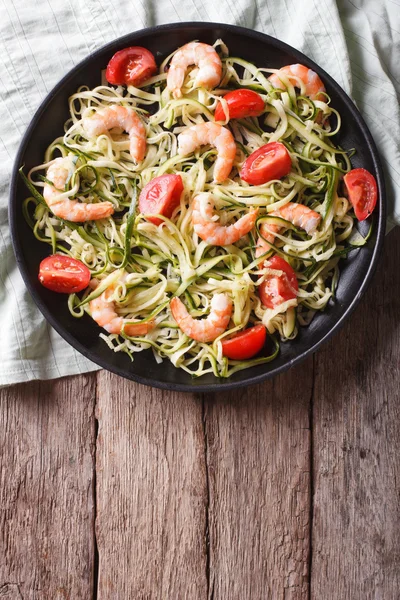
x,y
356,41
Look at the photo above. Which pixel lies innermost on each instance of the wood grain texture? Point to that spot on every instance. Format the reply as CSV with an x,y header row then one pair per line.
x,y
46,489
356,524
151,493
258,454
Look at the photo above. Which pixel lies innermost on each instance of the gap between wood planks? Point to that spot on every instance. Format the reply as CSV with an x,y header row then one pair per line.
x,y
312,491
210,592
96,548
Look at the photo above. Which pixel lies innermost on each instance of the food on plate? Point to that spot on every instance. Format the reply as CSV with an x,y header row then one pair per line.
x,y
208,329
239,105
205,57
198,208
102,310
58,173
131,66
245,344
299,76
291,213
202,134
279,284
271,161
362,192
210,231
161,196
63,274
119,116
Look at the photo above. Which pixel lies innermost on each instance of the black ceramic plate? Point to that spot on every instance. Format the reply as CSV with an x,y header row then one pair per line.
x,y
83,333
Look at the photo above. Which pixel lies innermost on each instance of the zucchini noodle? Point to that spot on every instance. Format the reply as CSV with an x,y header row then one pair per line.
x,y
147,265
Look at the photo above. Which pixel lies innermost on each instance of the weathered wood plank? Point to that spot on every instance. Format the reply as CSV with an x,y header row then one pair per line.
x,y
46,489
356,524
151,493
258,452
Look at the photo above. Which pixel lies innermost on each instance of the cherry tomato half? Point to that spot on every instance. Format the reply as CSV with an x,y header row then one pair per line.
x,y
276,289
245,344
63,274
131,66
160,197
241,104
271,161
362,192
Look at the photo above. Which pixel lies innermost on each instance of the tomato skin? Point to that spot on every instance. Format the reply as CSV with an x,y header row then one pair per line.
x,y
160,196
241,104
276,289
63,274
362,192
271,161
131,66
245,344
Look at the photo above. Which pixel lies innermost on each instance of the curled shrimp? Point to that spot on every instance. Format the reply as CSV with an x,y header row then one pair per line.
x,y
195,53
103,312
123,117
212,233
204,330
313,84
65,208
297,214
210,133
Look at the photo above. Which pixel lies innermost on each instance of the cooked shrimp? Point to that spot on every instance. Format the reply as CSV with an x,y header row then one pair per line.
x,y
312,82
300,216
213,233
204,330
119,116
263,243
103,312
297,214
210,133
201,55
70,210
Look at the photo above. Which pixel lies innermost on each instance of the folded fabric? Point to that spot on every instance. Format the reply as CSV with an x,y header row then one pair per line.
x,y
356,42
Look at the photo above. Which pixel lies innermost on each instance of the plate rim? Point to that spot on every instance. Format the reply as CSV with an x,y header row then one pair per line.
x,y
220,384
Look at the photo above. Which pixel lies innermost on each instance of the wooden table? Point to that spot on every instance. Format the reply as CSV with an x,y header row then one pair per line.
x,y
287,490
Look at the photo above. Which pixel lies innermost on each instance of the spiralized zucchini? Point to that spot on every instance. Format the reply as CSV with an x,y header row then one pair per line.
x,y
149,264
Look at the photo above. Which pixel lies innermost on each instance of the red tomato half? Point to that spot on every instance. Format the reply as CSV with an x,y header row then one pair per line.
x,y
271,161
241,104
63,274
160,197
245,344
362,192
131,66
276,289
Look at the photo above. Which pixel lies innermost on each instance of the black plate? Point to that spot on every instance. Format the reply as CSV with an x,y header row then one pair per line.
x,y
83,333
